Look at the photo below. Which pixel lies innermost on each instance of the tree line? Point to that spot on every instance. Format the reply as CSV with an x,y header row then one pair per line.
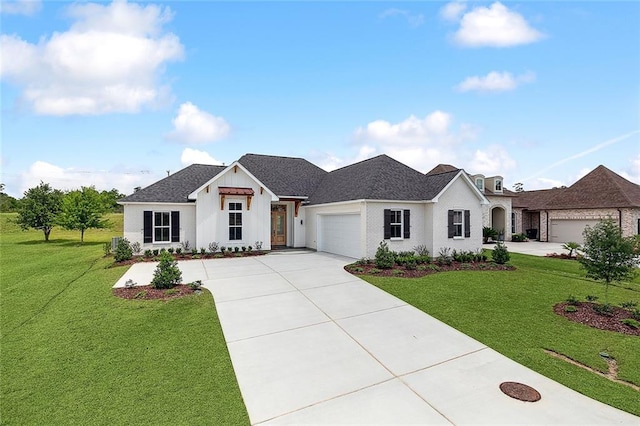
x,y
43,207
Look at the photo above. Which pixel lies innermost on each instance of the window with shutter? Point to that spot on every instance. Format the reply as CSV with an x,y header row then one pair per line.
x,y
459,223
396,224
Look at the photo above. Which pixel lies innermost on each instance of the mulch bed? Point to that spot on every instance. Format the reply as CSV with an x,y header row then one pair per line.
x,y
586,315
182,256
146,292
429,269
561,256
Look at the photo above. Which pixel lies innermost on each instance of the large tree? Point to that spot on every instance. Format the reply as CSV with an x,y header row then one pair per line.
x,y
39,208
608,256
111,200
83,209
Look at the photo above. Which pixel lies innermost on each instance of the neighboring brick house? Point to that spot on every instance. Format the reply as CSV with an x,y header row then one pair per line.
x,y
561,214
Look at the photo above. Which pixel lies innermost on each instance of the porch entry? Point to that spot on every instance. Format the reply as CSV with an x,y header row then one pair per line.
x,y
278,225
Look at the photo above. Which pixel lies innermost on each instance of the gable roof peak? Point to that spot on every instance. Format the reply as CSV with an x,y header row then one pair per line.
x,y
442,168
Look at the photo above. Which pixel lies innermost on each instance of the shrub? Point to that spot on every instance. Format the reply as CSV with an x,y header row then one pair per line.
x,y
244,248
171,291
423,259
203,250
500,254
572,300
258,245
195,285
402,258
421,250
363,261
236,249
179,250
123,251
631,323
398,272
249,249
213,247
384,257
629,305
171,250
106,248
411,265
358,270
136,248
129,283
374,271
186,246
571,247
148,253
603,309
488,232
636,314
444,256
156,252
570,309
222,249
163,250
167,273
591,298
518,238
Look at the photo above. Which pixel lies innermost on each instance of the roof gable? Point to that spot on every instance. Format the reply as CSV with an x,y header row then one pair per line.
x,y
285,176
460,174
176,187
442,168
379,178
601,188
194,194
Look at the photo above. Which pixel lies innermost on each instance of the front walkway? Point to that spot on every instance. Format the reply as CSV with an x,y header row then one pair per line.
x,y
535,248
311,343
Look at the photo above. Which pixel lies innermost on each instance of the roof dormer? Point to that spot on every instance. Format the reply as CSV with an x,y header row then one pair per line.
x,y
478,181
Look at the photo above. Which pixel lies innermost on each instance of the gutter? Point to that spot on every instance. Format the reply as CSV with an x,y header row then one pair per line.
x,y
548,230
620,219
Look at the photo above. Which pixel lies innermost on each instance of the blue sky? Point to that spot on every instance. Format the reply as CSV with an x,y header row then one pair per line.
x,y
117,94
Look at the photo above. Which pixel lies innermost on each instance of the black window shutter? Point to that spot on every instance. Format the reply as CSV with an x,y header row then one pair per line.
x,y
175,227
387,224
467,223
452,231
148,226
407,223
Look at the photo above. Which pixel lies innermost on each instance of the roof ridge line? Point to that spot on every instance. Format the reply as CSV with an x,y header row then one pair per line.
x,y
616,182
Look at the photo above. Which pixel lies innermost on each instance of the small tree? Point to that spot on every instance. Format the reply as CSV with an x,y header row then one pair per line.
x,y
500,254
83,209
384,257
123,251
39,208
167,273
608,256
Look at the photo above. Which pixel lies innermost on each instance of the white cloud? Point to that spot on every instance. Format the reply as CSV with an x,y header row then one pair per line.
x,y
194,126
494,26
543,183
110,60
193,156
20,7
632,173
494,82
413,20
430,129
72,178
493,160
452,11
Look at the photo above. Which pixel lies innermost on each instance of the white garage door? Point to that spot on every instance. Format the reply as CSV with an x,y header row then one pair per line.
x,y
340,234
565,230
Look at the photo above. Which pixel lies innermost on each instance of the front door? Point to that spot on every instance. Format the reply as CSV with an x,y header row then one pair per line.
x,y
278,225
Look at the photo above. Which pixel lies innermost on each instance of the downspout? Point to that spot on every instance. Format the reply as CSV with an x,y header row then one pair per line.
x,y
620,219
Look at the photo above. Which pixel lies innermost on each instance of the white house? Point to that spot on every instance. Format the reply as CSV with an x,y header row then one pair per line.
x,y
284,201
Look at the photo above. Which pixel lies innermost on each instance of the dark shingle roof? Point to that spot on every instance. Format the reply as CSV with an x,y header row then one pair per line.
x,y
601,188
442,168
379,178
285,176
177,187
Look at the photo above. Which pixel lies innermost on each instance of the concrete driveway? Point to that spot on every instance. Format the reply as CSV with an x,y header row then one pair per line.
x,y
535,248
310,343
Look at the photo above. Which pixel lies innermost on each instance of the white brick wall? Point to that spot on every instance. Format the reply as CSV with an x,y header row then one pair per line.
x,y
134,223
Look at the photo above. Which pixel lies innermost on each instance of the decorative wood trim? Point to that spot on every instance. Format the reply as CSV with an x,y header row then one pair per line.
x,y
221,201
207,189
261,190
249,202
295,214
235,169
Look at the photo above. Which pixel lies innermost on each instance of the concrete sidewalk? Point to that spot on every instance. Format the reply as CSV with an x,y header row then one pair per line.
x,y
311,343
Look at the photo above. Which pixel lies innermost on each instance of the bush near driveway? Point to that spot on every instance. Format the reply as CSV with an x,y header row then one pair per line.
x,y
72,353
512,312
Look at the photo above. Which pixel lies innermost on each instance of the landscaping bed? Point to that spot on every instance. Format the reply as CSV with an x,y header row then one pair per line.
x,y
421,270
585,313
146,292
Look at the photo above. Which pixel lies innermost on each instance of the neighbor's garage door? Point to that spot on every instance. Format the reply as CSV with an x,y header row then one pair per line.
x,y
339,234
565,230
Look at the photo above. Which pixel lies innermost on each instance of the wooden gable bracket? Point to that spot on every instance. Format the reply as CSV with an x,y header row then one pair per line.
x,y
221,201
261,190
249,202
235,169
296,208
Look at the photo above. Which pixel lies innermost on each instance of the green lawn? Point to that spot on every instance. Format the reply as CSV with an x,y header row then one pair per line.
x,y
72,353
511,312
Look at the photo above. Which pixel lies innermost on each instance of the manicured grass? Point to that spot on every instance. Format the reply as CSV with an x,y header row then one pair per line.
x,y
511,312
72,353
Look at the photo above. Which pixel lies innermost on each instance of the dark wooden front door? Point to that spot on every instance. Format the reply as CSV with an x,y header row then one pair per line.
x,y
278,225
